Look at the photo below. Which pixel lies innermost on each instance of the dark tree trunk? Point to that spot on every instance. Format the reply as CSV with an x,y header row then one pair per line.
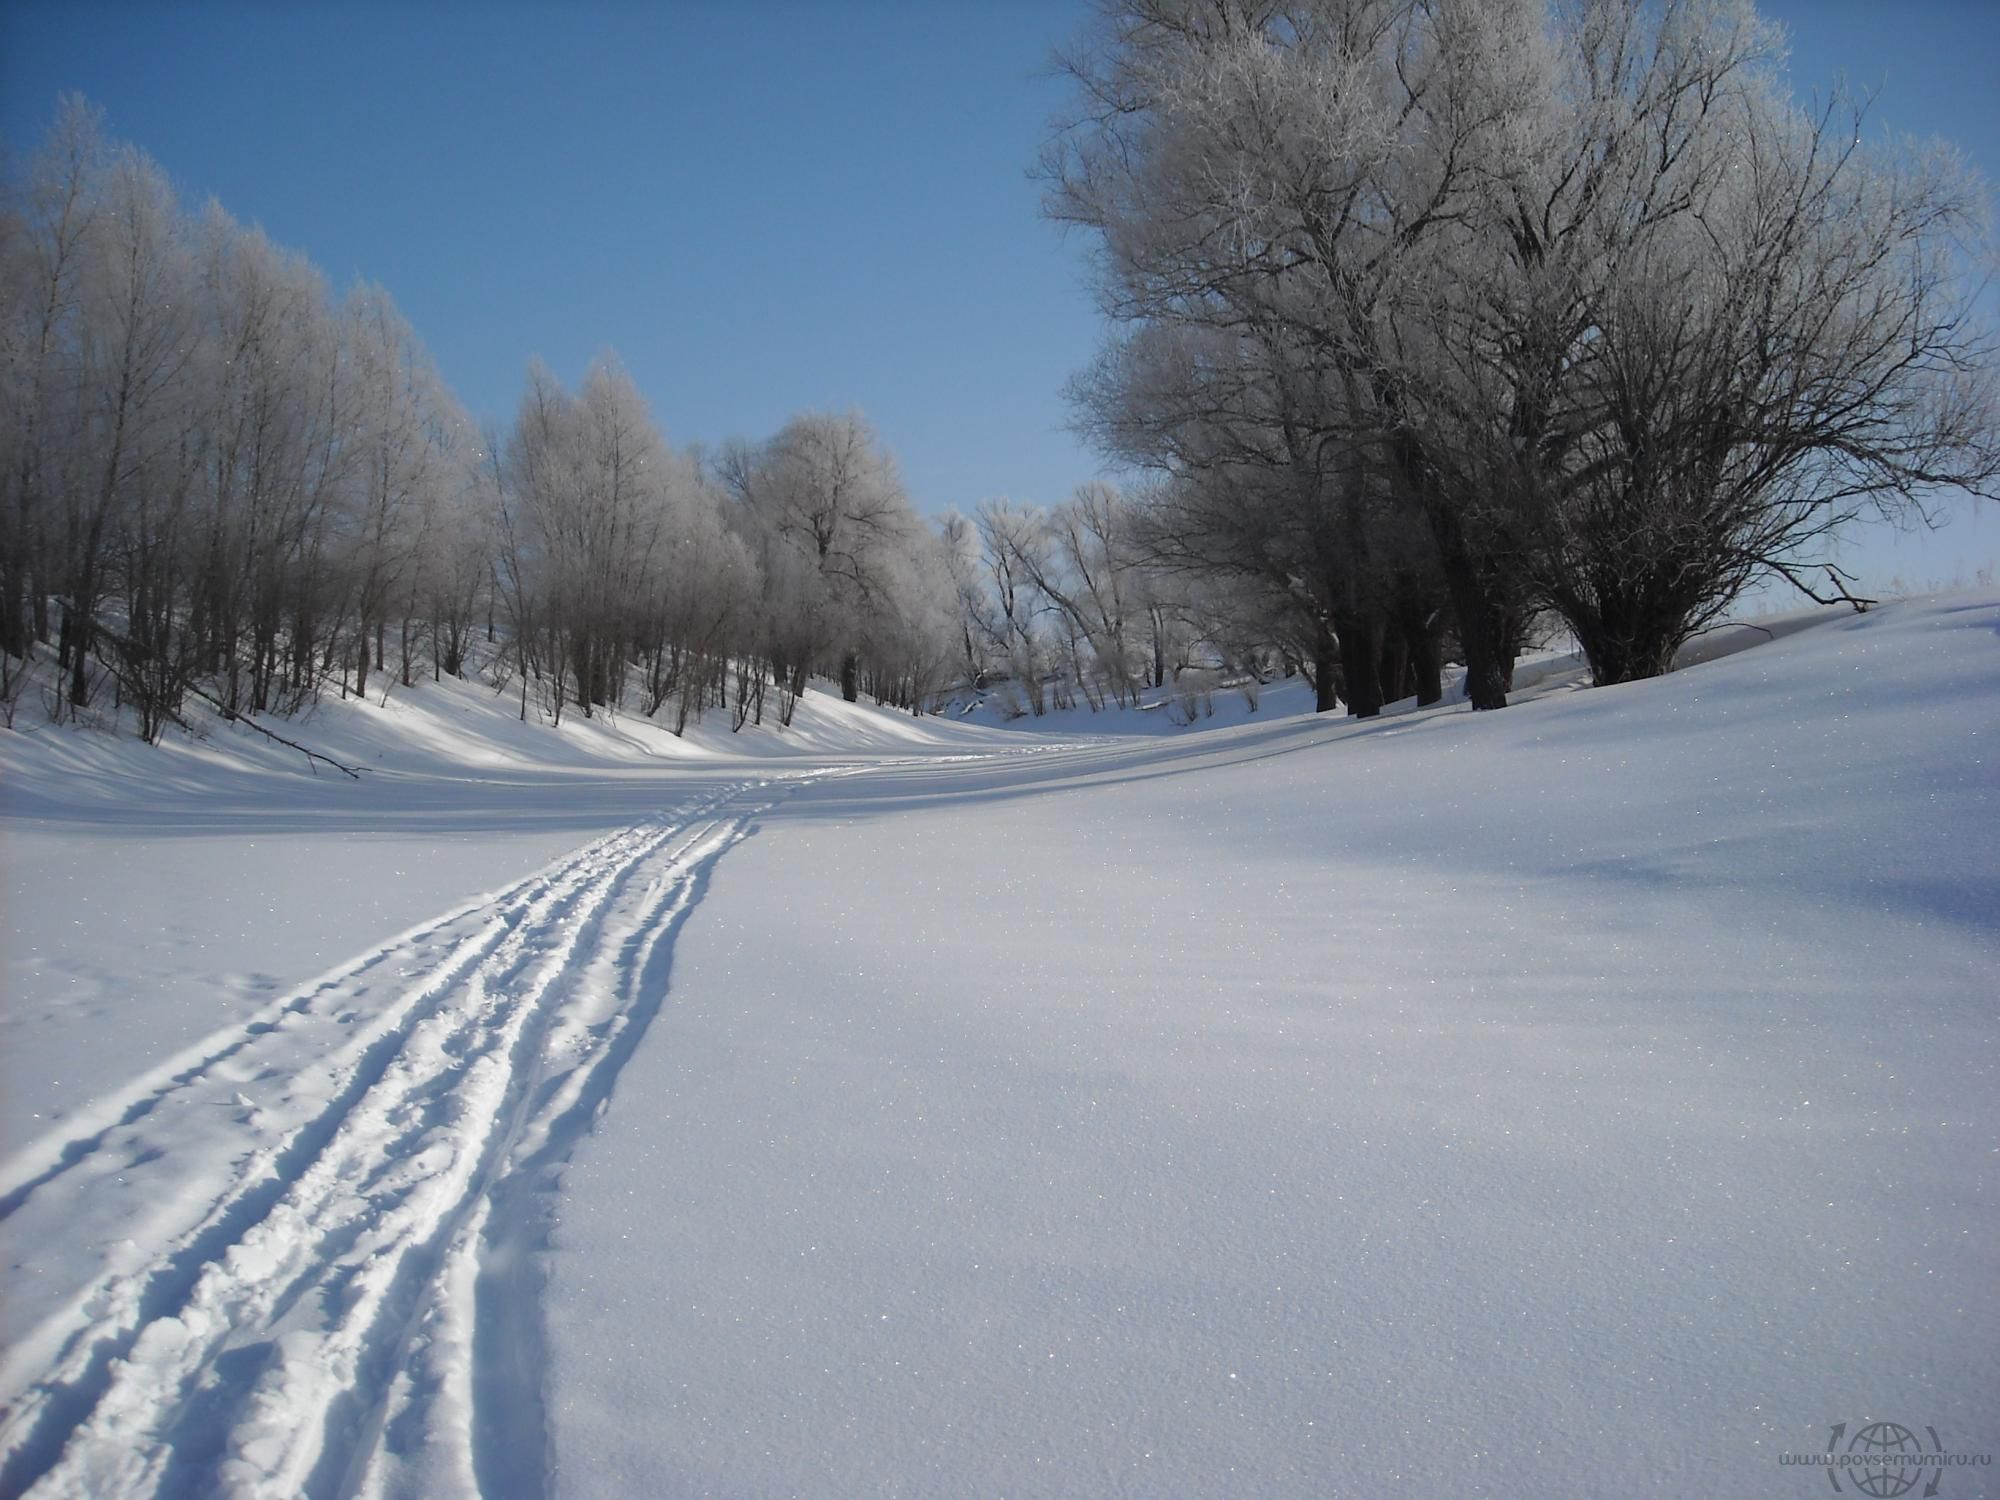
x,y
13,609
1361,664
1396,681
79,633
1415,628
1482,630
1426,660
1628,650
66,638
850,677
1325,665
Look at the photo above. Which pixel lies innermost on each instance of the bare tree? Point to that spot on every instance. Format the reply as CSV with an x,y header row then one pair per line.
x,y
403,465
135,340
1792,342
1013,620
1264,184
825,488
45,233
275,424
214,481
1574,287
972,631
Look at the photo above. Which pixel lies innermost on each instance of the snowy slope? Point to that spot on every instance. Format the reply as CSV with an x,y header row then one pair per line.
x,y
1594,1098
1597,1097
148,895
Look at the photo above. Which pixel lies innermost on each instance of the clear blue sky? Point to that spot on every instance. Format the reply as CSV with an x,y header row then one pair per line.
x,y
761,208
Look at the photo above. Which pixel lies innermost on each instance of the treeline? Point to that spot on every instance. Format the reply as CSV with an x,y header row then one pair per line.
x,y
217,480
1431,323
1071,605
1431,317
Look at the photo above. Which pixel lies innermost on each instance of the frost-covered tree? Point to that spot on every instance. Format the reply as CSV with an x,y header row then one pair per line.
x,y
972,632
455,562
405,462
217,481
616,557
46,232
1015,609
1572,292
213,479
1264,184
277,413
826,490
1264,489
589,489
123,411
1083,562
700,603
1726,328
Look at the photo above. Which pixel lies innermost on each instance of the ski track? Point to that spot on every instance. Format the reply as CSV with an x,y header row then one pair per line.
x,y
333,1289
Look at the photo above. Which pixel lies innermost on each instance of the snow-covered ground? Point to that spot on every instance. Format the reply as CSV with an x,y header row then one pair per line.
x,y
149,894
1599,1097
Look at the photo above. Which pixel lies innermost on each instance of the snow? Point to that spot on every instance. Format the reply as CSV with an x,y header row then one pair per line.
x,y
1596,1096
295,869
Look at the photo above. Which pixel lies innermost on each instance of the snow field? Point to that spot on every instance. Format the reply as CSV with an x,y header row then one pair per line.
x,y
1594,1098
250,1337
1597,1097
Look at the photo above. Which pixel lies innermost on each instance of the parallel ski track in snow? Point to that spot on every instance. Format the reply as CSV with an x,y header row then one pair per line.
x,y
350,1306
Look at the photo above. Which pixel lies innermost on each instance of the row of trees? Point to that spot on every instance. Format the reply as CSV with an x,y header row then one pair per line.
x,y
624,566
211,472
1434,315
1430,319
216,479
1075,604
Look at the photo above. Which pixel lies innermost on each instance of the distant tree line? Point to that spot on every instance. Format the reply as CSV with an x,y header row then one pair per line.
x,y
1430,316
217,480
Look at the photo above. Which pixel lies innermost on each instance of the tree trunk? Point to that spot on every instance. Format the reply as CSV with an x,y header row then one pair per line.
x,y
1361,663
1325,663
1481,631
1626,651
850,677
1415,627
1396,684
13,607
1426,661
78,623
79,665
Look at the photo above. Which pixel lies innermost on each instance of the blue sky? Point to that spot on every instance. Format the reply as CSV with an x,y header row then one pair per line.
x,y
760,208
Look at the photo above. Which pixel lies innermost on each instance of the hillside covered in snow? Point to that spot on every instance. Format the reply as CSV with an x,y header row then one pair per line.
x,y
1596,1095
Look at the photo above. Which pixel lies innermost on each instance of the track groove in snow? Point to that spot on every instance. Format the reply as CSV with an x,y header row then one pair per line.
x,y
338,1295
